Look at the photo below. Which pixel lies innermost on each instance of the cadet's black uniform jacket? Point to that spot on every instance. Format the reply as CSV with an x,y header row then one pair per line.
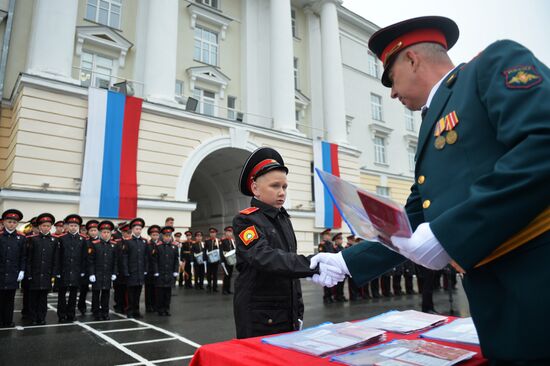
x,y
102,262
42,261
12,258
326,246
268,297
151,250
166,263
72,259
134,259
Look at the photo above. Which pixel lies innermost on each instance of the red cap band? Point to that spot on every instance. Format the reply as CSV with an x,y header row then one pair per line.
x,y
410,38
256,169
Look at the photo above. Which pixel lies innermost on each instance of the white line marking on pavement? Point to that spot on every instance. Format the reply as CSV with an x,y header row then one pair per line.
x,y
150,341
183,339
160,361
122,330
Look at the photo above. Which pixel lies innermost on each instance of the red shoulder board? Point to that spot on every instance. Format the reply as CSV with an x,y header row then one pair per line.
x,y
97,241
248,211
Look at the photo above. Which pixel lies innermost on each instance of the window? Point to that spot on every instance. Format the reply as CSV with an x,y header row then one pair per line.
x,y
296,73
207,101
95,70
372,64
231,112
411,151
206,46
383,191
409,119
212,3
293,18
179,88
297,115
376,107
380,150
105,12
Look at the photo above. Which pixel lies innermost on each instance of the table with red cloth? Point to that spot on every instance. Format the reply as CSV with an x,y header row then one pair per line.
x,y
252,351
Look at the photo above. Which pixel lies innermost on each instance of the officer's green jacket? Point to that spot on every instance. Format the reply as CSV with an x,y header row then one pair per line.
x,y
481,190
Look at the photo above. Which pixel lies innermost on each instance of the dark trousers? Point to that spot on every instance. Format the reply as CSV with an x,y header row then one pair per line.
x,y
187,270
375,287
327,293
121,297
353,290
426,283
199,276
212,275
385,284
339,290
134,293
150,294
396,284
409,283
7,298
163,297
38,305
100,302
226,286
66,310
83,292
25,311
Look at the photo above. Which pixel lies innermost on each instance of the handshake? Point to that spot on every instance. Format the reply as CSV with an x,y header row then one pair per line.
x,y
422,248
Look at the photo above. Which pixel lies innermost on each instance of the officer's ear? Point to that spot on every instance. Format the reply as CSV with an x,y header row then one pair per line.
x,y
412,59
254,188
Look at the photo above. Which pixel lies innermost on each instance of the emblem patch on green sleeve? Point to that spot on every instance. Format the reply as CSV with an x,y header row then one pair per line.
x,y
522,77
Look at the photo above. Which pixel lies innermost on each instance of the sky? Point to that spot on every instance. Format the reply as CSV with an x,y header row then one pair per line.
x,y
481,22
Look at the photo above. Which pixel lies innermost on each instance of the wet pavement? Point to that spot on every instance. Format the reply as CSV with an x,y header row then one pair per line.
x,y
198,317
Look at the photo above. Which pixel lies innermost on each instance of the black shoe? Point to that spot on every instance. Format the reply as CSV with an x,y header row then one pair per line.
x,y
41,322
98,318
167,313
161,313
376,296
61,319
130,316
138,316
431,311
82,311
150,310
215,290
106,317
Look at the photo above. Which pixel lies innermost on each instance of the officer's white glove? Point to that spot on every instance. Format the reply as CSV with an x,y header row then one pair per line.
x,y
20,276
175,274
145,273
58,276
423,248
156,274
113,277
333,264
82,275
92,278
323,280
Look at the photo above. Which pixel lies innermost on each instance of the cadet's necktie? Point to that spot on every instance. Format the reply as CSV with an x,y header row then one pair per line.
x,y
424,112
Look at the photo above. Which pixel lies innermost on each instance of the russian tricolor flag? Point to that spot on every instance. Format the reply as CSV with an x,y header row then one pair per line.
x,y
109,176
325,158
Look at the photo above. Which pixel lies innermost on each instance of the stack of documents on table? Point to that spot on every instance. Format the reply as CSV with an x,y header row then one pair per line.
x,y
406,353
408,321
458,331
328,339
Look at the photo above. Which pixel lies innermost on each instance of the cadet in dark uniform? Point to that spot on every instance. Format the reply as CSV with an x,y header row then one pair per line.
x,y
354,291
72,254
166,265
102,267
186,257
337,240
268,297
12,264
227,248
154,232
25,311
181,271
326,246
212,255
42,265
58,229
135,264
480,198
199,262
119,285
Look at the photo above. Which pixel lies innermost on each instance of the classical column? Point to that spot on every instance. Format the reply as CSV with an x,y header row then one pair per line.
x,y
282,67
333,77
51,46
315,73
161,41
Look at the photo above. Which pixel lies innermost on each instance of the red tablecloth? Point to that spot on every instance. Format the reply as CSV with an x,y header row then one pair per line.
x,y
251,351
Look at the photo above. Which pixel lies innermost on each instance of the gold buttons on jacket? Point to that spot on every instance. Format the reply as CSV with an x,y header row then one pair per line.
x,y
426,203
269,321
421,179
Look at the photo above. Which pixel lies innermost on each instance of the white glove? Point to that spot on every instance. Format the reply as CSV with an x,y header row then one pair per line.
x,y
423,248
82,275
92,278
58,276
175,274
331,263
145,273
113,277
20,276
156,274
323,280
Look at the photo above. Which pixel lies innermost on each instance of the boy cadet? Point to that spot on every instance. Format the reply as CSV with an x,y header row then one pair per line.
x,y
166,265
135,264
228,244
119,285
480,200
186,256
42,265
326,246
154,232
72,267
212,245
12,264
58,228
91,227
102,268
199,261
25,311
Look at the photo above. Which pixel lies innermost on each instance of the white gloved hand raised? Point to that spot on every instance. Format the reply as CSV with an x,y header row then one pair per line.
x,y
423,248
92,278
20,276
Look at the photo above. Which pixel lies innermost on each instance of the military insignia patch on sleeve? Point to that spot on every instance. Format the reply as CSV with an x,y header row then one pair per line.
x,y
522,77
248,235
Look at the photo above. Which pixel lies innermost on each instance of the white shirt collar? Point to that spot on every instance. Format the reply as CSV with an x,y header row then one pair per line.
x,y
8,231
434,89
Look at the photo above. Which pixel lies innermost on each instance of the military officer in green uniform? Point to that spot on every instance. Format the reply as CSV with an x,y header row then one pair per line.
x,y
480,198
